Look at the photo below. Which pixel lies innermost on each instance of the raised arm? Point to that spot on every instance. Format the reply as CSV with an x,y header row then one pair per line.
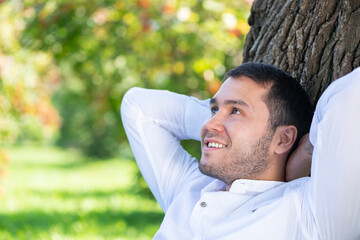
x,y
299,163
155,121
333,193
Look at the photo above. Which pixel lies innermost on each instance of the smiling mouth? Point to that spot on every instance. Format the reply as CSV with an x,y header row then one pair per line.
x,y
215,145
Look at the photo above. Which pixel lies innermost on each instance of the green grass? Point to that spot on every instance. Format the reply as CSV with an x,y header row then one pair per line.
x,y
54,194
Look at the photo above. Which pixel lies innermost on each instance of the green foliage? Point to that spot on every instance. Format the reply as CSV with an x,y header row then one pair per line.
x,y
101,48
53,194
26,81
104,47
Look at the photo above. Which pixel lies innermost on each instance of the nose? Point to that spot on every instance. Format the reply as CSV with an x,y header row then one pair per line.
x,y
215,123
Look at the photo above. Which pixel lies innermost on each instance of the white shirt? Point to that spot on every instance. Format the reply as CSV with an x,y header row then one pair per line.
x,y
325,206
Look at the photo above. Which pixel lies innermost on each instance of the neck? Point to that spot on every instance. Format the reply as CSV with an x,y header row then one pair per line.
x,y
274,172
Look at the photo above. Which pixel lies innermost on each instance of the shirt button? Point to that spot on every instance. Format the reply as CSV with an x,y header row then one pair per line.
x,y
203,204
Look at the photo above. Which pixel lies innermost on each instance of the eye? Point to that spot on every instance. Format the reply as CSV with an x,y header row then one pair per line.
x,y
214,110
235,111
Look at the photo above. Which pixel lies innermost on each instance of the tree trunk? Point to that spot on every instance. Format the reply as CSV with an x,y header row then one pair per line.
x,y
314,41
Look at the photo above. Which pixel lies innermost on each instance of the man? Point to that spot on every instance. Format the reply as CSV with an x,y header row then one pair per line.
x,y
237,191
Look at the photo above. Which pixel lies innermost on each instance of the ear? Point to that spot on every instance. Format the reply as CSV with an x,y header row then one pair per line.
x,y
286,137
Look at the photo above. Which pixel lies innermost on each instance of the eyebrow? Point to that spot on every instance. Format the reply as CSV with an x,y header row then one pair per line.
x,y
230,102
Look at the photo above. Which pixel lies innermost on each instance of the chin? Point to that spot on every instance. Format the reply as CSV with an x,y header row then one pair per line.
x,y
204,160
205,167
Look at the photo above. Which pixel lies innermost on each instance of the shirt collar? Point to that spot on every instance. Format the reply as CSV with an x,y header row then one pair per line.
x,y
243,186
252,187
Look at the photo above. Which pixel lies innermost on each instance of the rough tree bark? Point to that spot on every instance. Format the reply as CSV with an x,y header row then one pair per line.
x,y
315,41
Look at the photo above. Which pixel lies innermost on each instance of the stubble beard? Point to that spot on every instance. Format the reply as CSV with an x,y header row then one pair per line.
x,y
241,164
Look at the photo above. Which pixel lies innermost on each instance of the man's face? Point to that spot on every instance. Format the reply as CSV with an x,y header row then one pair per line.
x,y
235,141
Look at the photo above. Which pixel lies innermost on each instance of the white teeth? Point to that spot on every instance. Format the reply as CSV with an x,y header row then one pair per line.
x,y
215,145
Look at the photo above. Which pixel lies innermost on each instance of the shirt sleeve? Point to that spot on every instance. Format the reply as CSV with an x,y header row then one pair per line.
x,y
155,121
333,192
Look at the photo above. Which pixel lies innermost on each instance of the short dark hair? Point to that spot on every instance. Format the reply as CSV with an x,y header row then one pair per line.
x,y
287,101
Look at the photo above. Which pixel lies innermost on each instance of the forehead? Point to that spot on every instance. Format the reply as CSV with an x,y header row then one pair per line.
x,y
241,88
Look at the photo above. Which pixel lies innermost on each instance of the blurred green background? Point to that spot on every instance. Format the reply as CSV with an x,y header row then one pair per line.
x,y
67,171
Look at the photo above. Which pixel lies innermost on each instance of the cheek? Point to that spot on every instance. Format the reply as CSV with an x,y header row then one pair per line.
x,y
241,133
202,131
235,128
